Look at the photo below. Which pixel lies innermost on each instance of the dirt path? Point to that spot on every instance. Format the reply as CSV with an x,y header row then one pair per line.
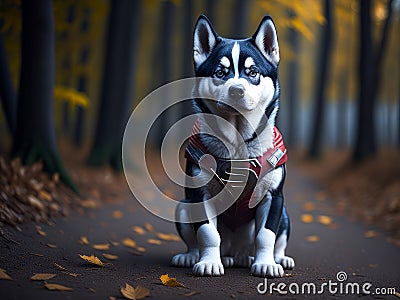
x,y
322,247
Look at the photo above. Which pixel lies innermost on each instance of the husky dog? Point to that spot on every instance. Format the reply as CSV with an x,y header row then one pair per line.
x,y
252,232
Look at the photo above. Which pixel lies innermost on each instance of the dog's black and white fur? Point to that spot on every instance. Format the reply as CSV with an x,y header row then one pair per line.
x,y
249,93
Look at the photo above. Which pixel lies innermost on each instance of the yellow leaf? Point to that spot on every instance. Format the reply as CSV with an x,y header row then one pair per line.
x,y
84,240
73,96
370,234
149,227
117,214
60,267
4,275
325,220
40,231
51,246
72,274
101,246
129,242
154,242
42,276
168,237
56,287
92,259
308,206
312,238
138,230
128,292
141,292
140,249
169,281
110,256
307,218
44,195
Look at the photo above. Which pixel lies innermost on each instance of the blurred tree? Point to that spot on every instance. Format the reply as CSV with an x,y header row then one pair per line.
x,y
370,64
293,84
35,133
117,87
321,82
241,15
7,92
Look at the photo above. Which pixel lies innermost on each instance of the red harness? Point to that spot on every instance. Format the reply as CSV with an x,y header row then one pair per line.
x,y
240,213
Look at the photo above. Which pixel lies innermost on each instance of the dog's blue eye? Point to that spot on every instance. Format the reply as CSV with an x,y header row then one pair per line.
x,y
253,73
220,73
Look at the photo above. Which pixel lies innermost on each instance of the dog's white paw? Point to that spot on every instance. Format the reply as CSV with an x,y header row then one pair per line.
x,y
228,261
185,260
208,268
266,270
286,262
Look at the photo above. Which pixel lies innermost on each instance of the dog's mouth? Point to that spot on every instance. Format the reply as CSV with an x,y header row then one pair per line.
x,y
226,108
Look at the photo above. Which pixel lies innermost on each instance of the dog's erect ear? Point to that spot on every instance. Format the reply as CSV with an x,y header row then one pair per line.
x,y
204,40
266,39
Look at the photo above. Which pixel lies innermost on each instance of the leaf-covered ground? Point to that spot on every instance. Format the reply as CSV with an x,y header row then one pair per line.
x,y
114,249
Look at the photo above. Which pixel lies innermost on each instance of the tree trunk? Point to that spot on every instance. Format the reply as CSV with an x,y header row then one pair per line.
x,y
117,87
241,15
321,80
369,75
35,132
293,88
7,92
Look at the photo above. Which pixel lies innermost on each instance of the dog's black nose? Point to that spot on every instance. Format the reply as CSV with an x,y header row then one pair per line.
x,y
236,91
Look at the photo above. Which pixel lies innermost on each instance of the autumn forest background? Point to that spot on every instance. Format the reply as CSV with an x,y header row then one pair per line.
x,y
72,71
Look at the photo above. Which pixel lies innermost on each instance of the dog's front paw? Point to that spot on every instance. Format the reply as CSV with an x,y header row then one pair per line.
x,y
208,268
286,262
266,270
185,259
228,261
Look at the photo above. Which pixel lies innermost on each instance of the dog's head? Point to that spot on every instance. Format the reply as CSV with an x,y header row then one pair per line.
x,y
245,71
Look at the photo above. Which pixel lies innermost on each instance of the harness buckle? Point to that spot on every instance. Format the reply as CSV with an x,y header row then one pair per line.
x,y
275,157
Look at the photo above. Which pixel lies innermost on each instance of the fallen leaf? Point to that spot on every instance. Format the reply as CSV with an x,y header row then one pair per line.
x,y
40,231
397,294
112,298
51,246
129,242
141,292
168,237
372,265
72,274
154,242
117,214
60,267
140,249
92,290
89,203
233,296
307,218
115,244
37,254
44,195
110,256
308,206
42,276
4,275
56,287
149,227
324,220
128,292
135,253
92,259
312,238
168,281
370,234
138,230
84,240
101,246
190,294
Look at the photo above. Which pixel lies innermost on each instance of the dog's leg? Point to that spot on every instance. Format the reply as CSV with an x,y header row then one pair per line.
x,y
268,216
209,241
281,242
188,235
